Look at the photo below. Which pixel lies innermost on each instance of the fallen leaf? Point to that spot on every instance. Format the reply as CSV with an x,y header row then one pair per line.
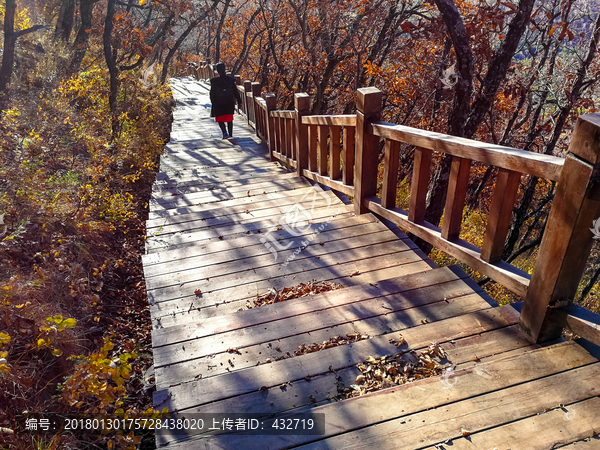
x,y
198,292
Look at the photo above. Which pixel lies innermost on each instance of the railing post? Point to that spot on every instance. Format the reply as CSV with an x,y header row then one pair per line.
x,y
568,238
302,103
368,105
255,94
247,88
238,80
271,101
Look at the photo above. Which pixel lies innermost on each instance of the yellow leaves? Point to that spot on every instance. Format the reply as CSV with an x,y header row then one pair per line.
x,y
4,339
58,323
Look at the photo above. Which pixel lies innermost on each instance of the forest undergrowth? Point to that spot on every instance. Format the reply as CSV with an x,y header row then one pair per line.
x,y
75,330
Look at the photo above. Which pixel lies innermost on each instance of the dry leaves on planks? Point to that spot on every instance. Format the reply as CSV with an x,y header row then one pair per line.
x,y
301,290
397,369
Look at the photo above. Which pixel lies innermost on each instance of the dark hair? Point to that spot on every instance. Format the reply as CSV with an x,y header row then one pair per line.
x,y
220,68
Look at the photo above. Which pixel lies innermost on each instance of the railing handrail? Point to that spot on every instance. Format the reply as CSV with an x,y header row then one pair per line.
x,y
530,163
311,145
348,120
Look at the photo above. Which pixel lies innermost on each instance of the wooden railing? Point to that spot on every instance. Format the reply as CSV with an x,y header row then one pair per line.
x,y
342,152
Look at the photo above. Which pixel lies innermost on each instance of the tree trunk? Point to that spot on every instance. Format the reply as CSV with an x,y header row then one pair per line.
x,y
64,24
86,8
465,118
112,67
8,55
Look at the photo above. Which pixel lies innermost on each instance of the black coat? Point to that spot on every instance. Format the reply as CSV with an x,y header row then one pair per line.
x,y
223,108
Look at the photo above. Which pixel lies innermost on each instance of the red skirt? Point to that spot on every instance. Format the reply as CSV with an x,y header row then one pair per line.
x,y
224,118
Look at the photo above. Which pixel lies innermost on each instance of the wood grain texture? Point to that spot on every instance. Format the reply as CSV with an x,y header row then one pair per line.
x,y
348,156
420,184
543,166
390,173
505,195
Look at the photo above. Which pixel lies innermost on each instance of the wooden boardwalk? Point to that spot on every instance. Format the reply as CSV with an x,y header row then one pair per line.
x,y
216,217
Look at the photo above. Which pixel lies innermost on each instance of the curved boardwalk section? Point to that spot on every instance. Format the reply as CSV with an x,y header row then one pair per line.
x,y
227,225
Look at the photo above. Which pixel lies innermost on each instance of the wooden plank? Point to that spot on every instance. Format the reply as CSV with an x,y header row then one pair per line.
x,y
368,302
188,187
201,250
474,415
333,184
252,247
186,307
347,120
418,396
390,173
257,199
325,262
295,396
283,114
531,163
188,203
505,195
334,152
225,173
384,326
290,163
420,185
455,201
229,230
348,156
541,432
219,216
269,313
509,276
591,443
579,320
312,148
254,262
369,318
193,185
217,388
322,132
183,310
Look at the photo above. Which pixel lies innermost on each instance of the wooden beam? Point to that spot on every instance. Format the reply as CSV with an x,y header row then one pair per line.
x,y
531,163
326,181
455,201
509,276
312,148
390,173
302,104
420,184
245,98
334,152
567,240
368,103
579,320
271,102
284,114
322,133
505,195
347,120
348,156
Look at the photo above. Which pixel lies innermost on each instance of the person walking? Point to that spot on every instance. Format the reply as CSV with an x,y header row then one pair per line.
x,y
223,95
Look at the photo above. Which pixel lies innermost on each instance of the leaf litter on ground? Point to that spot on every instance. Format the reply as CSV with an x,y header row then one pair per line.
x,y
313,287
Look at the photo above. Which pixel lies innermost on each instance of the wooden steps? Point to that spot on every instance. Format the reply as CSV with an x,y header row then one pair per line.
x,y
225,227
